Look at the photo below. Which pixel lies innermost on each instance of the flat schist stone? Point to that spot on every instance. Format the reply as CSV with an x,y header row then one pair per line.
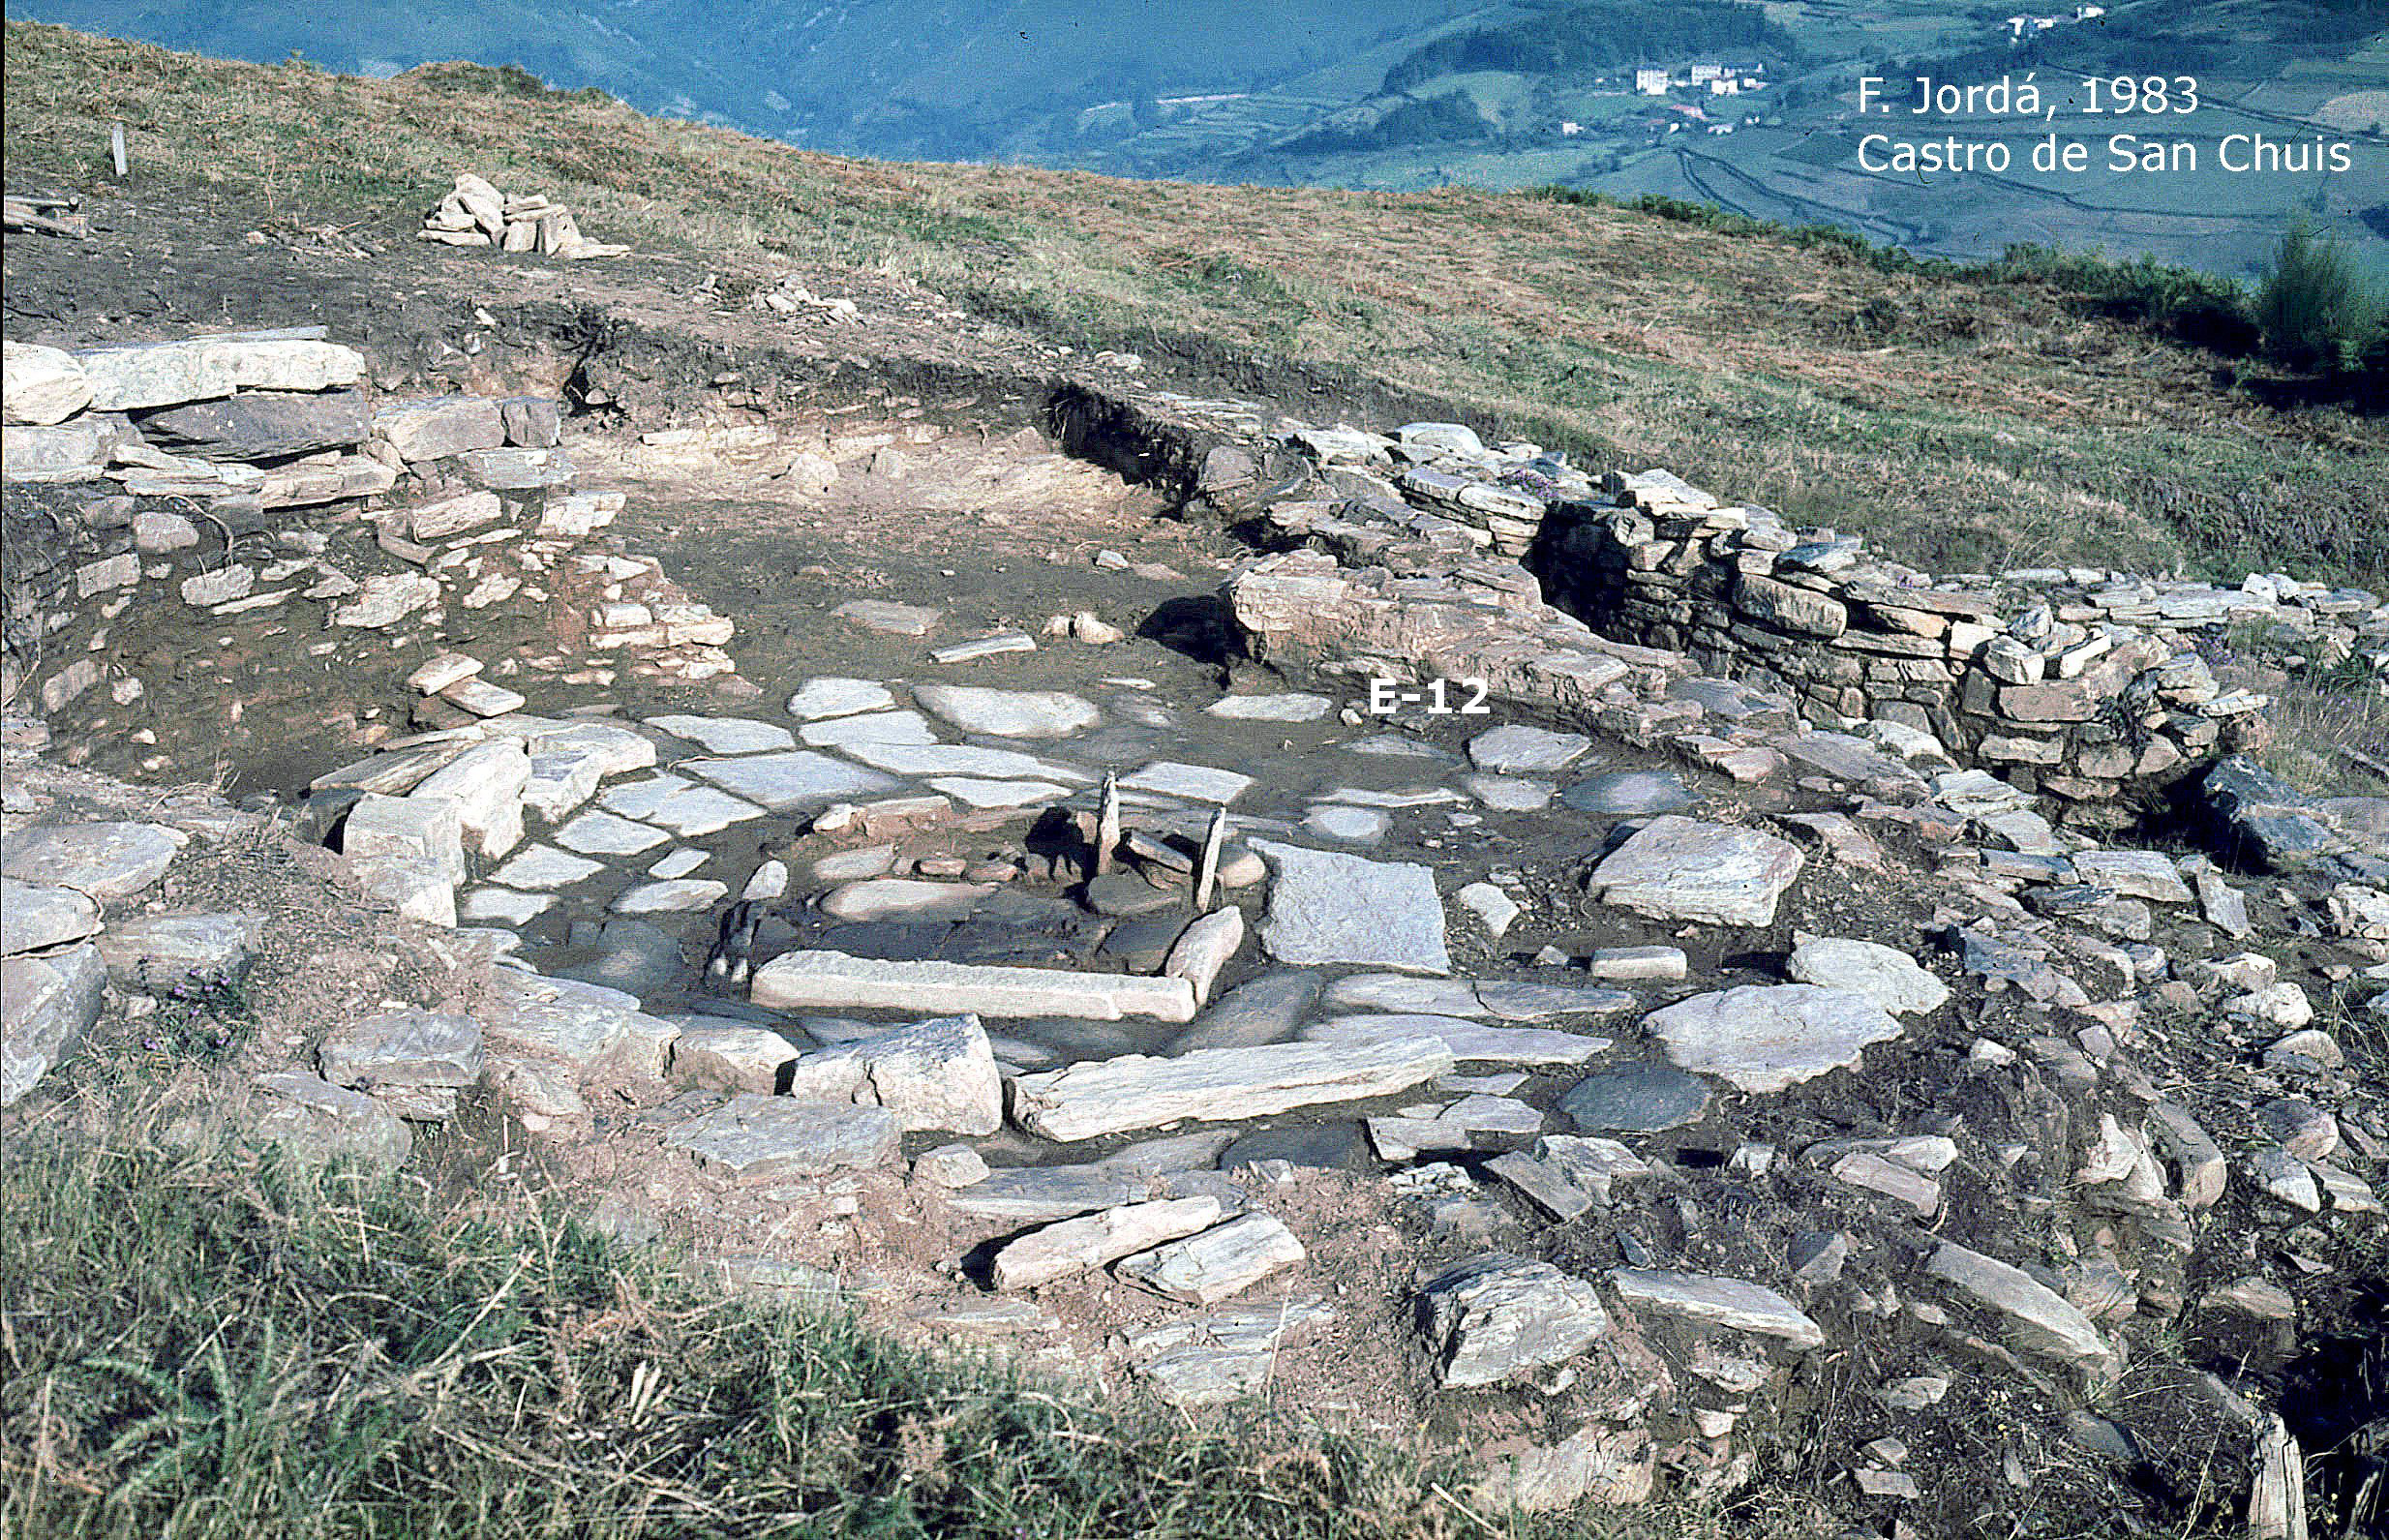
x,y
1764,1037
759,1137
778,782
833,695
1709,1301
1036,1194
726,735
408,1047
1218,1085
1294,708
1469,1042
46,1006
1629,794
33,917
832,980
2037,1316
1680,868
562,1017
1007,713
1515,749
1498,1318
1329,907
103,862
895,620
906,729
961,759
1638,1098
1224,1260
154,952
1261,1010
609,834
1197,783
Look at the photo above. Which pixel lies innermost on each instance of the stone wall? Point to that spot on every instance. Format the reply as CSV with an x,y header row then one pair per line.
x,y
2077,684
221,524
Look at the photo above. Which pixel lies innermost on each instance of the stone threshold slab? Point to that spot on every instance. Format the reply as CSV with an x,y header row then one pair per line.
x,y
1218,1085
832,980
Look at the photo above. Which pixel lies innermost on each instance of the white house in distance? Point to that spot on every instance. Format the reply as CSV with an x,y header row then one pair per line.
x,y
1650,82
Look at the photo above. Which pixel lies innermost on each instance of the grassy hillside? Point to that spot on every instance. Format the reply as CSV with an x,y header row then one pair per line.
x,y
1968,420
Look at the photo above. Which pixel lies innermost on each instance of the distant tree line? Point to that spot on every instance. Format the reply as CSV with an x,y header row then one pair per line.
x,y
1601,35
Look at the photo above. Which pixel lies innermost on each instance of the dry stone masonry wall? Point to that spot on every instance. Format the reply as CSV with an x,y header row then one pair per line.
x,y
2088,687
176,511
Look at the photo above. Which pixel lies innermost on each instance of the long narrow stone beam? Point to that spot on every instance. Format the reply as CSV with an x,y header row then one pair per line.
x,y
832,980
1218,1085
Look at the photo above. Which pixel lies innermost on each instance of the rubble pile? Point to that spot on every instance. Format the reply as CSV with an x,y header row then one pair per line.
x,y
475,213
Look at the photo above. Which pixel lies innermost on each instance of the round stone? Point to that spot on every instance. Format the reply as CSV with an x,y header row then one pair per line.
x,y
1643,1099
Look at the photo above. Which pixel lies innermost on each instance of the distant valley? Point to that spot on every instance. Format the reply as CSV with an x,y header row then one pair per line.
x,y
2189,130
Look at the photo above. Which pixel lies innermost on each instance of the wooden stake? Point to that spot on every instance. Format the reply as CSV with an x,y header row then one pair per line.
x,y
116,147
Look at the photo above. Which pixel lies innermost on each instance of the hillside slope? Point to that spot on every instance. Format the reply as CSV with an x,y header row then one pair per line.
x,y
1966,422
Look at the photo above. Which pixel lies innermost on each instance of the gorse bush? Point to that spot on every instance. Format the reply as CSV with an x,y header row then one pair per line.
x,y
2315,312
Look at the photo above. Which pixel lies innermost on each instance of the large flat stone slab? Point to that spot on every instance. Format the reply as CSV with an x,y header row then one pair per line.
x,y
1763,1038
1086,1243
1469,1042
2037,1316
754,1138
46,1004
1519,749
1889,976
1680,868
102,861
1710,1301
962,759
318,1120
906,729
1224,1260
832,980
406,1047
670,802
155,954
34,915
1218,1085
1196,783
139,374
1329,907
833,695
1007,713
726,735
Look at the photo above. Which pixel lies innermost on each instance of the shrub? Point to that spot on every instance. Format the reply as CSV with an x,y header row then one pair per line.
x,y
2315,312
